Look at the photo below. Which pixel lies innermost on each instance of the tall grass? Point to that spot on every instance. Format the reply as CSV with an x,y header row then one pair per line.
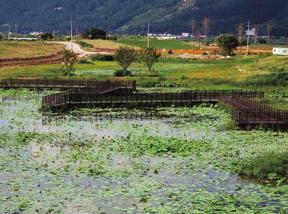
x,y
271,166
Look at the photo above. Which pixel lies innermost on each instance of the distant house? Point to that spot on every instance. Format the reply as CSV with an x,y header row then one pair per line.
x,y
24,39
185,35
280,51
36,33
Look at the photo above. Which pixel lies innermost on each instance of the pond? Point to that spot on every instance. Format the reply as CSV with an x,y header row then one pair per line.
x,y
168,160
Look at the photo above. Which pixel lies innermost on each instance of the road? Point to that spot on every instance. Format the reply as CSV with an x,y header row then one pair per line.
x,y
76,48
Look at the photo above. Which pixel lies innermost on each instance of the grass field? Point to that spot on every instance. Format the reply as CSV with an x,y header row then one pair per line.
x,y
155,43
22,49
240,72
104,44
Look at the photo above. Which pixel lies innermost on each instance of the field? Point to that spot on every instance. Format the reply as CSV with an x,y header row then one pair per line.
x,y
155,43
251,72
167,161
16,49
103,44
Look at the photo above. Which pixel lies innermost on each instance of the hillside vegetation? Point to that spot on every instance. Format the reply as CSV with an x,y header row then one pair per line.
x,y
131,16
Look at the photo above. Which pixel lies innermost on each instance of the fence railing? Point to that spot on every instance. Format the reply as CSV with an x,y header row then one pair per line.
x,y
65,84
248,112
97,97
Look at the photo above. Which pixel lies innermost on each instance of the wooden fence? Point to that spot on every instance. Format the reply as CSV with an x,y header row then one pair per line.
x,y
65,84
251,113
89,97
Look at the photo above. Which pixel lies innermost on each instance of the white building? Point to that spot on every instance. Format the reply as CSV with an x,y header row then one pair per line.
x,y
280,51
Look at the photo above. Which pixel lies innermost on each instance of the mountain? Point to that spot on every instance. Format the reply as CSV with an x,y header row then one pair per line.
x,y
130,16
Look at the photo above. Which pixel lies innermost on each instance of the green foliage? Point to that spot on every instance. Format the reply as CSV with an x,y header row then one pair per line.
x,y
155,43
227,43
125,56
46,36
169,15
94,33
272,166
102,57
184,162
84,44
122,73
69,59
84,60
276,78
149,57
143,144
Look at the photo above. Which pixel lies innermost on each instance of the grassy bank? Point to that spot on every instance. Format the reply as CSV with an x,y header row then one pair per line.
x,y
253,72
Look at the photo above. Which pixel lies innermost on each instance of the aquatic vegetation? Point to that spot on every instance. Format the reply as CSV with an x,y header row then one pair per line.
x,y
181,160
271,166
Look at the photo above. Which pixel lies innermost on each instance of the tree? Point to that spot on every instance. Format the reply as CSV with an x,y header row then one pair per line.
x,y
149,56
227,43
94,33
241,33
269,31
69,60
125,56
206,27
194,25
46,36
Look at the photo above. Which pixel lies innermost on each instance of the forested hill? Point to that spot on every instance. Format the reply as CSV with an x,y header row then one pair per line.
x,y
131,15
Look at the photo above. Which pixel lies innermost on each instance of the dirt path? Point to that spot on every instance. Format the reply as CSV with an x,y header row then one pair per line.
x,y
78,49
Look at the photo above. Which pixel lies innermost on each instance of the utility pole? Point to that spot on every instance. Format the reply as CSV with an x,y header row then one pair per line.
x,y
248,38
148,34
16,30
71,33
269,31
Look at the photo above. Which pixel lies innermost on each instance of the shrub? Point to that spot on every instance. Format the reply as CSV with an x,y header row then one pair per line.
x,y
170,52
277,78
46,36
94,33
84,61
122,73
102,57
271,166
84,44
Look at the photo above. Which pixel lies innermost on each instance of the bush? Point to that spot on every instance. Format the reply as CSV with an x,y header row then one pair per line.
x,y
122,73
170,52
46,36
271,166
102,57
84,44
84,61
94,33
277,78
